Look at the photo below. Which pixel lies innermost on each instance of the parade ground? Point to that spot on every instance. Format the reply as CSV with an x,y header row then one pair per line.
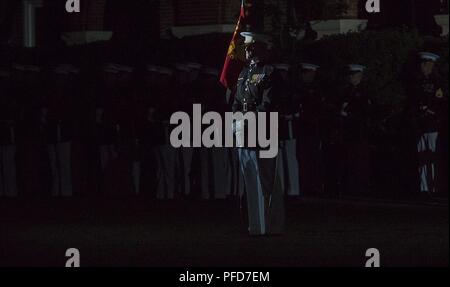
x,y
145,232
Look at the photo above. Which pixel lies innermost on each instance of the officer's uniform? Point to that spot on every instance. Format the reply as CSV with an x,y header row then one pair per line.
x,y
125,169
185,95
102,134
237,181
265,199
201,173
33,162
216,175
8,114
332,147
159,157
288,164
355,111
60,130
426,102
308,103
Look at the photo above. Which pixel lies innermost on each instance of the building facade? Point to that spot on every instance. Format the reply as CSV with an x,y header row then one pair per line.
x,y
33,22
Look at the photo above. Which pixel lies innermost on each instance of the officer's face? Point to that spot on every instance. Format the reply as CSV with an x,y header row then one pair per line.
x,y
164,80
123,78
30,78
183,77
60,81
283,74
151,113
150,78
99,115
355,78
427,67
308,75
109,79
193,74
250,51
116,79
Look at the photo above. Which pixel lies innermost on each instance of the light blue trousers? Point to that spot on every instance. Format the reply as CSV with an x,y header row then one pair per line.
x,y
255,198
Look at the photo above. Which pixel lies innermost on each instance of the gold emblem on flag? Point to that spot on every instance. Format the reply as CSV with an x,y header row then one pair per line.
x,y
232,50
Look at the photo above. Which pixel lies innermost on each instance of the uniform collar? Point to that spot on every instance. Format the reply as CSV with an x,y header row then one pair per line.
x,y
254,63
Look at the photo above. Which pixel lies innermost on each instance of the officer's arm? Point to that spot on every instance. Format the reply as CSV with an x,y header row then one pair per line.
x,y
267,95
240,89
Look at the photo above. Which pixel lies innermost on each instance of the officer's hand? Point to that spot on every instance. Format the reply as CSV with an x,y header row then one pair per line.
x,y
344,110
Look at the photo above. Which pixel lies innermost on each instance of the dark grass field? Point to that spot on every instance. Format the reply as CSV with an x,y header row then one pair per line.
x,y
143,232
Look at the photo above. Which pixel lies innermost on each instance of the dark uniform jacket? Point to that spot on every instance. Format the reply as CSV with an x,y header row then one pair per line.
x,y
8,116
308,102
285,106
254,89
355,126
425,103
254,92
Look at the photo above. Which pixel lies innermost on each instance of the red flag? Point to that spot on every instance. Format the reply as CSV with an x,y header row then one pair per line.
x,y
235,59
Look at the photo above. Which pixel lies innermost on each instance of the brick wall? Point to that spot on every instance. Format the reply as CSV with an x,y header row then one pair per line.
x,y
197,12
95,16
167,15
283,6
17,27
353,9
90,18
172,13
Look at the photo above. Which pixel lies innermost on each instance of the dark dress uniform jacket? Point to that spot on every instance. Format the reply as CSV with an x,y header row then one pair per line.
x,y
255,91
308,100
356,124
422,92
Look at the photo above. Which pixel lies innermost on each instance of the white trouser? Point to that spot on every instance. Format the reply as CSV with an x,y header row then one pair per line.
x,y
166,163
61,168
206,172
222,172
215,173
136,175
291,165
281,172
255,197
187,153
427,171
8,182
107,154
237,176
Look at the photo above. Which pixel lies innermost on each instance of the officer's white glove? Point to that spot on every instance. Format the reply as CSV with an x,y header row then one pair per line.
x,y
343,110
239,132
